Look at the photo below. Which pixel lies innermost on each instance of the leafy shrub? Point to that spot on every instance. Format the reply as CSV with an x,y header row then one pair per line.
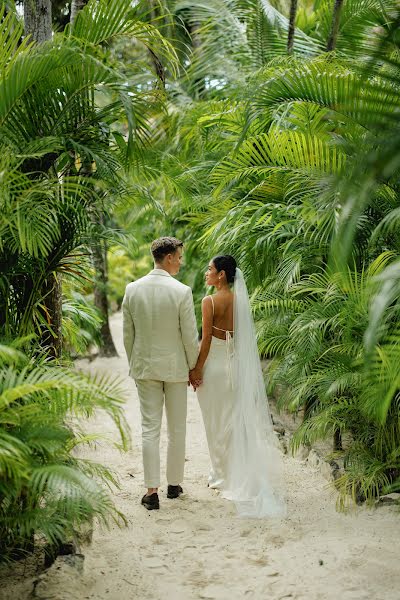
x,y
45,488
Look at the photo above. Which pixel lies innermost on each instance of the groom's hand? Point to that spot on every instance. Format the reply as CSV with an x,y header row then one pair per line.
x,y
192,381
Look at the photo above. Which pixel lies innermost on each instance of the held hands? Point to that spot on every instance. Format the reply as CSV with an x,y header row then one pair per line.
x,y
195,378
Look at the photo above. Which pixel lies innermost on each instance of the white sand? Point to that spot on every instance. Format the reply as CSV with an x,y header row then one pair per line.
x,y
196,547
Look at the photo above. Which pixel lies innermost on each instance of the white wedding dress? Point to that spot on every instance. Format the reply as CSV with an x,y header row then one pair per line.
x,y
216,398
246,462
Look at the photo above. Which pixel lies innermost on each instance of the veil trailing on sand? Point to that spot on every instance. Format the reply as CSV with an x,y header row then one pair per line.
x,y
254,481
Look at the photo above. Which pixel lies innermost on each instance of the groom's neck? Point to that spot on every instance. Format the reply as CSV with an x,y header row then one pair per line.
x,y
164,267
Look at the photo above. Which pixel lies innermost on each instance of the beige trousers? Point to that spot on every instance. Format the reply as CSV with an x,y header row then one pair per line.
x,y
152,395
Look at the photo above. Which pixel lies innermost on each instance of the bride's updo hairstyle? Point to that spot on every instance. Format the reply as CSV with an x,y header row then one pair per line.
x,y
226,262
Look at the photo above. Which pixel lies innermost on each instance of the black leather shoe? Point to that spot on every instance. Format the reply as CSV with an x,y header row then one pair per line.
x,y
151,502
174,491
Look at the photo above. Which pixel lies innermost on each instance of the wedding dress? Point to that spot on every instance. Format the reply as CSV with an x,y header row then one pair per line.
x,y
245,456
216,398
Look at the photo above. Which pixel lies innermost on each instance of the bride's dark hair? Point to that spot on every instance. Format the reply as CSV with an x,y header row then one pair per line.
x,y
225,262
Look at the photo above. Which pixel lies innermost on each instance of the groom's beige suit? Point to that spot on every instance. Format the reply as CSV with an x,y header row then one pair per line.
x,y
161,343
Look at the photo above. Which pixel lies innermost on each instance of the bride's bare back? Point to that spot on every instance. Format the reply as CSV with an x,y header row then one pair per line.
x,y
222,313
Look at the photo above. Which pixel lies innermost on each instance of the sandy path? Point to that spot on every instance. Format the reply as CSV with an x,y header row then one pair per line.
x,y
195,547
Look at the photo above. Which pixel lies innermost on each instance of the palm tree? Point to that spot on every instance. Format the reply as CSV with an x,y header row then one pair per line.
x,y
37,19
292,21
76,6
38,25
51,121
335,25
99,255
98,249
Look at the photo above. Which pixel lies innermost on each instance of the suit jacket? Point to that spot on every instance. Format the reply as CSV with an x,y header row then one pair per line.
x,y
160,331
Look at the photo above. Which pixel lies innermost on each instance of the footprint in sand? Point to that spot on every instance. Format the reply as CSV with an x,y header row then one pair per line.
x,y
184,508
202,527
197,578
277,541
159,541
163,520
152,562
178,527
259,562
245,532
125,495
214,592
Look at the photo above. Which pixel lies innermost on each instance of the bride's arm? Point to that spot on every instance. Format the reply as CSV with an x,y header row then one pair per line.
x,y
207,323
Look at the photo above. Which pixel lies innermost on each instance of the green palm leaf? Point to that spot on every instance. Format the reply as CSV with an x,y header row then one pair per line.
x,y
11,42
101,20
279,151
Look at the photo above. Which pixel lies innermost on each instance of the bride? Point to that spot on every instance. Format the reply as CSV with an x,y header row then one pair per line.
x,y
245,458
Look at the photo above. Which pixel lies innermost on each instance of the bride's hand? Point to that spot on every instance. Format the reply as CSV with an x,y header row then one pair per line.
x,y
197,384
195,378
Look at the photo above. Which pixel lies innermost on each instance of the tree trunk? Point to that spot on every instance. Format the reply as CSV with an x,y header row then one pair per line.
x,y
76,6
99,257
335,25
309,405
52,337
337,440
37,19
292,21
158,66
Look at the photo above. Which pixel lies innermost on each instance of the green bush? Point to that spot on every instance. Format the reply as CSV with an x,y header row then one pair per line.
x,y
45,488
122,270
81,323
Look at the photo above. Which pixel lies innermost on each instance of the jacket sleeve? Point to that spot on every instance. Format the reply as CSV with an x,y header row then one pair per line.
x,y
187,319
128,327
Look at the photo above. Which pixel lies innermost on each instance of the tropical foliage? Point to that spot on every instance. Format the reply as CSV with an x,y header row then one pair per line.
x,y
69,128
291,164
46,489
62,157
220,123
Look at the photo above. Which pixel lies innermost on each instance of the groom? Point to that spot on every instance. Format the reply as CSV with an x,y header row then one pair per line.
x,y
160,338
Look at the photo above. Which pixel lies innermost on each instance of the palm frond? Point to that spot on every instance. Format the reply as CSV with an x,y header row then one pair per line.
x,y
101,21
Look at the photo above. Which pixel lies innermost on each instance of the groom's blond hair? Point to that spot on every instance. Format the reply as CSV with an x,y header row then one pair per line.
x,y
163,246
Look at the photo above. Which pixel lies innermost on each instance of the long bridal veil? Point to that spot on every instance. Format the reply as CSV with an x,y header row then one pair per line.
x,y
254,480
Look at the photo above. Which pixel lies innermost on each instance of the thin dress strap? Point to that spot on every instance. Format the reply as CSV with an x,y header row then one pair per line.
x,y
212,302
